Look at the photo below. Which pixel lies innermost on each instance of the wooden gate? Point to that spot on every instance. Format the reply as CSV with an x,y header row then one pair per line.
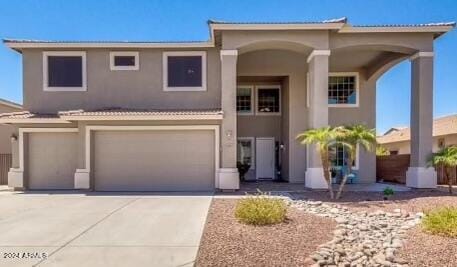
x,y
5,165
392,168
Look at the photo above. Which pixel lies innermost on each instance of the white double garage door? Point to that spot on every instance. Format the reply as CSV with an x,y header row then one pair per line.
x,y
146,160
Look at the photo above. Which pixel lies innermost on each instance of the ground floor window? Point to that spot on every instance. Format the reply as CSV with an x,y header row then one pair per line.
x,y
338,156
245,151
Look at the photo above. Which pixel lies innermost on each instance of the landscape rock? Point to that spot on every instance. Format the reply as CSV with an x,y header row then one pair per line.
x,y
361,238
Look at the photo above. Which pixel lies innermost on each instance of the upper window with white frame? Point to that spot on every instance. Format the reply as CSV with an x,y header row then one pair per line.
x,y
343,89
124,60
64,71
268,100
184,71
244,100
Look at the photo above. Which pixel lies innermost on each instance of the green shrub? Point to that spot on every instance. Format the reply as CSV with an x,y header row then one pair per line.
x,y
441,221
260,209
388,191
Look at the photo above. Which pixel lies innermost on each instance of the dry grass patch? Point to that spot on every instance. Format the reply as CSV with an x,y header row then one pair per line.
x,y
442,221
261,209
227,242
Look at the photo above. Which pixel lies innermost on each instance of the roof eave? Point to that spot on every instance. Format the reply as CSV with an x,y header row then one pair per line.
x,y
291,26
402,29
141,117
18,46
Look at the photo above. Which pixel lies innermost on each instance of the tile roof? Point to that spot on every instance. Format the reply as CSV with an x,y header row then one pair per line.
x,y
12,40
337,20
441,126
27,115
436,24
10,103
113,114
138,112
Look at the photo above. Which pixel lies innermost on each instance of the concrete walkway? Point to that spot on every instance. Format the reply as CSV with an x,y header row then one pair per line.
x,y
42,229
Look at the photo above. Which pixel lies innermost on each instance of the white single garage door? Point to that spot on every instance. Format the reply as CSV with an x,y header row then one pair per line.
x,y
51,160
154,160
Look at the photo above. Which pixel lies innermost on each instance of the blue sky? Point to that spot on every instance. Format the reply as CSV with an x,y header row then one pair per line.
x,y
186,20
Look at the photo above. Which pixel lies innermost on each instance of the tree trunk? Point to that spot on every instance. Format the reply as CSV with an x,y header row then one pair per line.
x,y
325,168
345,177
449,178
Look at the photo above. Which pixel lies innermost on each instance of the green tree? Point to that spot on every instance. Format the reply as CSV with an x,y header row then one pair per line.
x,y
351,137
322,138
446,157
381,151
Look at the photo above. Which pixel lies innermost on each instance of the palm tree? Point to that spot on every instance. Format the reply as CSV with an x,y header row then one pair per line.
x,y
350,137
447,157
322,138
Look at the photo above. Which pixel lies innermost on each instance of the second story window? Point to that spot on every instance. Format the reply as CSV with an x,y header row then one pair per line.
x,y
184,71
64,71
343,90
124,61
268,100
244,100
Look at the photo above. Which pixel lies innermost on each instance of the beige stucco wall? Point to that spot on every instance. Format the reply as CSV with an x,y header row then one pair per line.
x,y
293,66
140,89
403,147
365,113
6,131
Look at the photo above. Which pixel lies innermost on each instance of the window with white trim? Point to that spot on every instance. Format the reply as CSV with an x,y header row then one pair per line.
x,y
338,156
184,71
121,60
343,89
268,100
244,100
245,151
64,71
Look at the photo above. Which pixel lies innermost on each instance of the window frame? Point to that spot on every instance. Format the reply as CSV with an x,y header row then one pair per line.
x,y
167,88
252,140
357,157
48,88
113,54
357,89
251,88
270,87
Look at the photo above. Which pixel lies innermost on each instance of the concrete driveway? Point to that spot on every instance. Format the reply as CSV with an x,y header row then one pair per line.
x,y
64,229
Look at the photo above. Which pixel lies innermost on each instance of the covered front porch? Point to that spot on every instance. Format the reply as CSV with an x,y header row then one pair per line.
x,y
322,79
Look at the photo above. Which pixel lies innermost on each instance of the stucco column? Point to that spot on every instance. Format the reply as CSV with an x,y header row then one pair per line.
x,y
418,174
317,113
228,173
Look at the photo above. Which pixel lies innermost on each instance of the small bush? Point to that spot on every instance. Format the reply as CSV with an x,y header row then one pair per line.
x,y
388,191
261,209
442,221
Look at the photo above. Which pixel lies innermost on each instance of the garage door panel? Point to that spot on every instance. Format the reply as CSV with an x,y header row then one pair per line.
x,y
169,160
52,160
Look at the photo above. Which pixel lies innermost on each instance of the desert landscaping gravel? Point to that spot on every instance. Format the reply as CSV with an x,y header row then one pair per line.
x,y
424,250
226,242
361,229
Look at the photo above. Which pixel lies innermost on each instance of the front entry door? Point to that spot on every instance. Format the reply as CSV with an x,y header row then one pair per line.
x,y
265,158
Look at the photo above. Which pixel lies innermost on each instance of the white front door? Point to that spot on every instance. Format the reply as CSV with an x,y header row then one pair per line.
x,y
265,157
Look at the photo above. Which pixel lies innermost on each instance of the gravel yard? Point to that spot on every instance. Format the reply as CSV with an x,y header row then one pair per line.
x,y
424,250
226,242
420,249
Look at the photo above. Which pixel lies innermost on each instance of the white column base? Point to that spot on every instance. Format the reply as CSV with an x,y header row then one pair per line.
x,y
314,178
82,179
421,177
16,178
229,179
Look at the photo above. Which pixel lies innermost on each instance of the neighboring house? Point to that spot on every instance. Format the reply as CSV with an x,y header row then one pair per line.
x,y
397,140
6,131
141,116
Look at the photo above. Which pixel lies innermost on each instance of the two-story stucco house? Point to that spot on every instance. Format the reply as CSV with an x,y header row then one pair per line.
x,y
141,116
